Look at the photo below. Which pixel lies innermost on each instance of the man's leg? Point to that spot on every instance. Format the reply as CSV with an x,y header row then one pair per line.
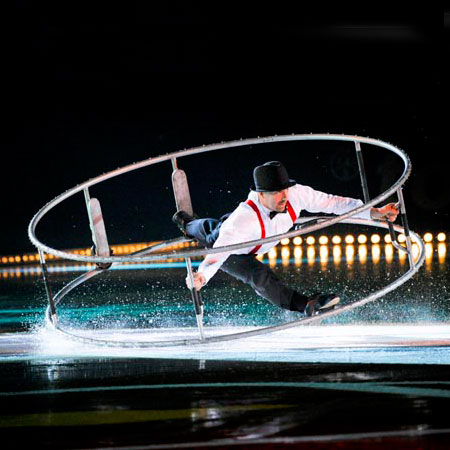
x,y
264,282
248,269
204,231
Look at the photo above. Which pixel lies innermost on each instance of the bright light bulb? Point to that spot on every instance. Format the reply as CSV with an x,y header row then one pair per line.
x,y
427,237
349,239
362,239
336,240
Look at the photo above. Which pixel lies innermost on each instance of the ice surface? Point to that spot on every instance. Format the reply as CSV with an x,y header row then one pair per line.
x,y
387,344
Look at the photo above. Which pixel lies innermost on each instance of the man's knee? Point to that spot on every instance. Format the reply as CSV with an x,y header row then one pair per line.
x,y
261,278
203,231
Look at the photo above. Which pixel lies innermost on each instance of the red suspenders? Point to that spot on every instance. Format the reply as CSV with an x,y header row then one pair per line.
x,y
290,210
263,229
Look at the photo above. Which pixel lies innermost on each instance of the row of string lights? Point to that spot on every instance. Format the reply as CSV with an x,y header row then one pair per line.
x,y
299,250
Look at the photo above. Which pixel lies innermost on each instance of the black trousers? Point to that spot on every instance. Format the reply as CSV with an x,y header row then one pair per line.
x,y
247,268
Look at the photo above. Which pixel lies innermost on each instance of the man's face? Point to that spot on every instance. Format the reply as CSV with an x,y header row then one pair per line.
x,y
275,201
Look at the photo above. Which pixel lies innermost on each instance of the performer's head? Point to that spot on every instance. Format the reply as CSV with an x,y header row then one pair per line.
x,y
272,182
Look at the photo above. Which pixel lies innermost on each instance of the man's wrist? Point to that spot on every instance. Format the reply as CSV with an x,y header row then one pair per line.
x,y
201,278
373,214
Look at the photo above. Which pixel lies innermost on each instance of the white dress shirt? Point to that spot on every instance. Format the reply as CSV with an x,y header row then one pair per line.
x,y
244,225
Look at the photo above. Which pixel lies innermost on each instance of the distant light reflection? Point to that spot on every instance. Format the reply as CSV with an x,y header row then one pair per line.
x,y
376,253
298,254
442,252
311,255
428,251
337,254
415,252
362,253
272,255
323,255
285,253
389,252
402,256
350,253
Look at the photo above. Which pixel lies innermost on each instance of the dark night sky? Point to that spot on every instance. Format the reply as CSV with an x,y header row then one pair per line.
x,y
92,90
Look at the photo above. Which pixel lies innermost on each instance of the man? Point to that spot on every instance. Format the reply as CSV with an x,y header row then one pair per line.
x,y
273,205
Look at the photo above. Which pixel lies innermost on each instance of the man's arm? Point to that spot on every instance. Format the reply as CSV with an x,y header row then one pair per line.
x,y
317,201
242,226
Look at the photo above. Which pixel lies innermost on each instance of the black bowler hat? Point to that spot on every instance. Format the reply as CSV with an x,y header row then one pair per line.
x,y
270,177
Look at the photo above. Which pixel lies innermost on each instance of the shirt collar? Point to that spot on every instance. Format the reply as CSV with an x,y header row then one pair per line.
x,y
255,198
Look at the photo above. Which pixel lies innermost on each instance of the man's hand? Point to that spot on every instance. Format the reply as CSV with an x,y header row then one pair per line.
x,y
386,212
199,281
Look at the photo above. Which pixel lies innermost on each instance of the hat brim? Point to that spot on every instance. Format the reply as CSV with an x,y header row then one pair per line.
x,y
276,189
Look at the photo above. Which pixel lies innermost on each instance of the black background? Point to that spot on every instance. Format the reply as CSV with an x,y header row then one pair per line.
x,y
90,89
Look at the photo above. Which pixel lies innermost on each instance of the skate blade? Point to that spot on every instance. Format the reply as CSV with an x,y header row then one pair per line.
x,y
331,304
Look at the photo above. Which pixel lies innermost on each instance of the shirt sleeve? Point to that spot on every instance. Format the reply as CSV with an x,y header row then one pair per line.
x,y
241,226
317,201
